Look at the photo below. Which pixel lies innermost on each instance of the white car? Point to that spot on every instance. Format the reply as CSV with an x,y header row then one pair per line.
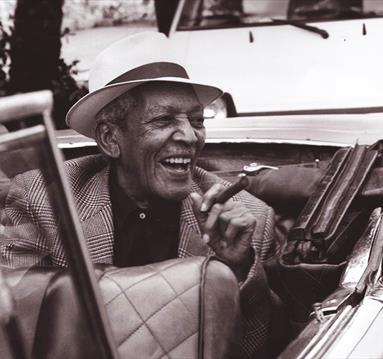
x,y
278,56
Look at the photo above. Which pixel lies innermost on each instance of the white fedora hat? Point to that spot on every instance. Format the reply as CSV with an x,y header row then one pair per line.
x,y
136,59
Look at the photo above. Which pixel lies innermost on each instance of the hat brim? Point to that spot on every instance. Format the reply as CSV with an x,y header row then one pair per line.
x,y
81,117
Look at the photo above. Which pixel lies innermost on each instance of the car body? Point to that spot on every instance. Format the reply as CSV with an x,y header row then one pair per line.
x,y
321,129
268,65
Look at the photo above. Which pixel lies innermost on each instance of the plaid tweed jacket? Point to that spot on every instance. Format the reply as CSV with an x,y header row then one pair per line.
x,y
29,234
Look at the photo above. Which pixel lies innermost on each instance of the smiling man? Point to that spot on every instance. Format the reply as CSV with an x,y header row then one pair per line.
x,y
153,135
144,199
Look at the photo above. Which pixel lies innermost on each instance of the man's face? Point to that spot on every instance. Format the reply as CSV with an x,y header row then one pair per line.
x,y
160,142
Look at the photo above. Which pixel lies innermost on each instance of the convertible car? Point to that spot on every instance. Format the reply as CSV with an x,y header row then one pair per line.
x,y
321,173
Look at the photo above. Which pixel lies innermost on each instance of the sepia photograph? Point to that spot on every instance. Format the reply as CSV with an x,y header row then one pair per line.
x,y
191,179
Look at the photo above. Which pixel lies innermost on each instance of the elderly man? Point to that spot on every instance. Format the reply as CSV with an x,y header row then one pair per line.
x,y
144,200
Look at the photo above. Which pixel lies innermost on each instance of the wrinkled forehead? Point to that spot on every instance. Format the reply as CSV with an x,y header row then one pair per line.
x,y
167,96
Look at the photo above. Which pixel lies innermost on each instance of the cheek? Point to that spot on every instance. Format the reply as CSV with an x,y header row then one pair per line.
x,y
201,136
146,155
148,164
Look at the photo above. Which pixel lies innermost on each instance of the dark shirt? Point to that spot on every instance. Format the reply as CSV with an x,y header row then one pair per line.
x,y
143,236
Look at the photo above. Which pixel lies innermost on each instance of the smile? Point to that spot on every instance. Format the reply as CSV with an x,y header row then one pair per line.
x,y
178,164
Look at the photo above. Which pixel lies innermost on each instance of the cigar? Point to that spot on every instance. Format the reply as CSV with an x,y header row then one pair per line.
x,y
239,185
236,187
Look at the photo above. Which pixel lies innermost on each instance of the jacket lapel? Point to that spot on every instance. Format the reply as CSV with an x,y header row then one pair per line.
x,y
95,213
190,235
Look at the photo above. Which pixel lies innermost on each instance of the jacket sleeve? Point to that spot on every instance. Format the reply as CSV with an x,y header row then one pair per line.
x,y
264,240
23,235
259,304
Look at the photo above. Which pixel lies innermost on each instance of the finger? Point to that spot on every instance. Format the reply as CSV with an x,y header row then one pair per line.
x,y
196,201
196,205
230,210
211,222
215,227
233,228
238,225
209,197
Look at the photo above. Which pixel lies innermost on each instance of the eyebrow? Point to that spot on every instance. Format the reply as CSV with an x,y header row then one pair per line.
x,y
172,110
196,108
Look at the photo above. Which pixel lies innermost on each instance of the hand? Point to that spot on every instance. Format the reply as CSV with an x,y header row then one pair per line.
x,y
227,228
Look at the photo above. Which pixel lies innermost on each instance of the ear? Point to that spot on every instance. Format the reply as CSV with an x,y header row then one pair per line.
x,y
106,138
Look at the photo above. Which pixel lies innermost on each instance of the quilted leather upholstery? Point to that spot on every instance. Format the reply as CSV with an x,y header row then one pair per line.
x,y
181,308
161,305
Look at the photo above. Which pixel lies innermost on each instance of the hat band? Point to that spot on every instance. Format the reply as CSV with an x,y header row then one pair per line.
x,y
151,71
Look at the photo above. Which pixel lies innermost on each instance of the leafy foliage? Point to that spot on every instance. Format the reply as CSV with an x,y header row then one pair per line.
x,y
5,39
65,89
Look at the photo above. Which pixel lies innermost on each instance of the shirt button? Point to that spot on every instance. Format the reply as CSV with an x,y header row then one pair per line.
x,y
142,215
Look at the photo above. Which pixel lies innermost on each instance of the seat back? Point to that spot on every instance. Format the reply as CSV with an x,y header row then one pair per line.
x,y
37,140
180,308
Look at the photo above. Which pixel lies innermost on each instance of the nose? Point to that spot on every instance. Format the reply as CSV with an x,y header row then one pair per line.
x,y
185,132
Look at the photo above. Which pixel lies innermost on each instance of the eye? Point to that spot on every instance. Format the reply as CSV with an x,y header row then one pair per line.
x,y
163,120
197,121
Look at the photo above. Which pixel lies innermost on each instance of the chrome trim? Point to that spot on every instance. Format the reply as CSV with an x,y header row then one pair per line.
x,y
358,261
345,342
77,144
376,291
253,168
344,316
313,111
327,334
271,141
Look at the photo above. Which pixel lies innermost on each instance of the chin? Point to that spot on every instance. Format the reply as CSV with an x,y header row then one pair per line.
x,y
175,194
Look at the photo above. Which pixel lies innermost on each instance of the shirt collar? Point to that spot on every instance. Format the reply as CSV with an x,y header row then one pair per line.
x,y
121,202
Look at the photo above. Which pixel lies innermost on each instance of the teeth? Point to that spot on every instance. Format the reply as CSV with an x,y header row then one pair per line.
x,y
179,160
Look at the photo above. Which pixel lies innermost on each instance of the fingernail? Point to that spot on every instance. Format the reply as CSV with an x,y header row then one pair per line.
x,y
204,207
206,238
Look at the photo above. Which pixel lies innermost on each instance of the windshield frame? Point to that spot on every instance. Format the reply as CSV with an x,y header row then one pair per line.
x,y
181,6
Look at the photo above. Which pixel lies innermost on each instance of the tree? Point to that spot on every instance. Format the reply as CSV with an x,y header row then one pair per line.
x,y
35,45
35,62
